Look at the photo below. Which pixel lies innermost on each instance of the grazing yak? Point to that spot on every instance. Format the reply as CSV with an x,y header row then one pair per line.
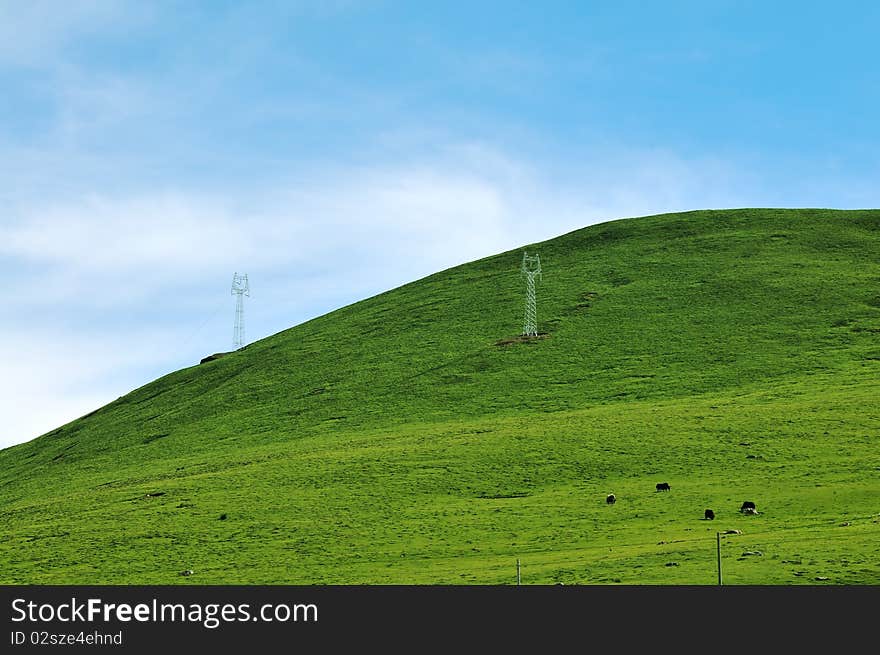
x,y
747,505
610,499
709,515
662,486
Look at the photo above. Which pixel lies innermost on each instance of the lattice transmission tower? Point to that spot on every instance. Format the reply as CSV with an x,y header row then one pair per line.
x,y
240,289
531,268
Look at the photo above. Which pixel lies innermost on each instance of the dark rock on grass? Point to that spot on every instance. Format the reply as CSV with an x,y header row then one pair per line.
x,y
211,358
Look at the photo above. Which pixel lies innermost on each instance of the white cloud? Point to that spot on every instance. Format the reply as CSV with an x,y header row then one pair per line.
x,y
104,234
131,246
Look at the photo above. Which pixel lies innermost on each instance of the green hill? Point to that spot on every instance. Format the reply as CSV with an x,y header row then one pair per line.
x,y
411,438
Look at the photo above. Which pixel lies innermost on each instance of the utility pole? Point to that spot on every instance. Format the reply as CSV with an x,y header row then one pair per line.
x,y
718,550
240,288
531,268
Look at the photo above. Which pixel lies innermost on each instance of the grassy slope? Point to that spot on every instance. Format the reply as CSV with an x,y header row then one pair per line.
x,y
392,441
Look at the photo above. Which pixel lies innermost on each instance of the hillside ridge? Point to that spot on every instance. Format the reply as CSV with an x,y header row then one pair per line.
x,y
412,421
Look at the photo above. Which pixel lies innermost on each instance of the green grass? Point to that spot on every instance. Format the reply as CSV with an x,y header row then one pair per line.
x,y
734,354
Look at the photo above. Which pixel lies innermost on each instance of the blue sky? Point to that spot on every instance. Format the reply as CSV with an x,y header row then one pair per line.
x,y
333,150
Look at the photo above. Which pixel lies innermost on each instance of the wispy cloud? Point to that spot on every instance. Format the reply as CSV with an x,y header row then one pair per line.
x,y
33,33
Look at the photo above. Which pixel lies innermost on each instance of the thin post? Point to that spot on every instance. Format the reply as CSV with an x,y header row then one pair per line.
x,y
518,577
718,550
240,288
